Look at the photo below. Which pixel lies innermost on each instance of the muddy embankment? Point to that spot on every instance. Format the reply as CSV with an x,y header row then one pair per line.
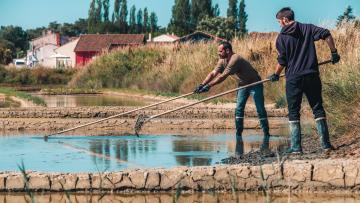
x,y
42,119
314,175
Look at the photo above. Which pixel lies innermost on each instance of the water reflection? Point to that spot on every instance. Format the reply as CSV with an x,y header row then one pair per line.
x,y
122,149
184,198
111,153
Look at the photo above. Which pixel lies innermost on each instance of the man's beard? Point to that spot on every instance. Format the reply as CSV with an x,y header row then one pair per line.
x,y
223,56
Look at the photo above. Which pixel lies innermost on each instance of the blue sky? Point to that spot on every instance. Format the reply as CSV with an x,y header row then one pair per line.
x,y
36,13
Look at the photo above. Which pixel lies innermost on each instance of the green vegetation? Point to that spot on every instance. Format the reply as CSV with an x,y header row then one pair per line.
x,y
35,76
23,95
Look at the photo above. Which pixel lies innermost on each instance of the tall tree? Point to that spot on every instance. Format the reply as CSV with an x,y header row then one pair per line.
x,y
218,26
92,17
146,23
180,22
132,22
216,10
233,13
116,13
80,26
123,17
15,35
232,9
242,18
106,6
139,21
346,16
54,26
200,9
153,22
98,12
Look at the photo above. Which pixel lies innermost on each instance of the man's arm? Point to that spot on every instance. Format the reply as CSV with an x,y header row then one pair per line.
x,y
219,79
335,57
210,81
330,41
210,77
279,69
282,61
276,76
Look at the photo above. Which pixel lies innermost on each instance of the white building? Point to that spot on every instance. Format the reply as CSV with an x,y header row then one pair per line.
x,y
66,50
165,38
43,48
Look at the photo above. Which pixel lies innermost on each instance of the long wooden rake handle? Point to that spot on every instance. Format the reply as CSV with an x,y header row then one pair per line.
x,y
209,98
117,115
212,97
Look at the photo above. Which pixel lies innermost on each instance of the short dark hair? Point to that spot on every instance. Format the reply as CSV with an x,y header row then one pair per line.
x,y
286,12
226,45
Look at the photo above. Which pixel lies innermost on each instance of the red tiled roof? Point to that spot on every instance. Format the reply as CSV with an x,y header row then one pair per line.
x,y
100,42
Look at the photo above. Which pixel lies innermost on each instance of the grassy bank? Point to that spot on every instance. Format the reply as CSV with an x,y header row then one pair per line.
x,y
8,92
160,68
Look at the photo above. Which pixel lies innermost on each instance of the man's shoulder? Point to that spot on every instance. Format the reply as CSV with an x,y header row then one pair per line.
x,y
237,57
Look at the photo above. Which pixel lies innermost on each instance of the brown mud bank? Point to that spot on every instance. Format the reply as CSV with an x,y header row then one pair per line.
x,y
299,175
56,119
126,126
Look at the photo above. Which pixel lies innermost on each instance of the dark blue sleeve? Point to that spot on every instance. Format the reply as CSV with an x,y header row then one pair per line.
x,y
319,33
282,60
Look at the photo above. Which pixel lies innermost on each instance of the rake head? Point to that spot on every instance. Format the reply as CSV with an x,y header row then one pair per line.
x,y
140,121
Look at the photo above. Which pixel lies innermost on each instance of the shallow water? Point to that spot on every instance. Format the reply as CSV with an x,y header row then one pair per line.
x,y
91,100
184,198
111,153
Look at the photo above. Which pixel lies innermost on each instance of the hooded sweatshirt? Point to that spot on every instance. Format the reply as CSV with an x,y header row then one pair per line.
x,y
296,48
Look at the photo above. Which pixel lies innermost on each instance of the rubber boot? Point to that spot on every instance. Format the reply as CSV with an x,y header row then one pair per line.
x,y
295,138
323,132
239,124
239,147
264,124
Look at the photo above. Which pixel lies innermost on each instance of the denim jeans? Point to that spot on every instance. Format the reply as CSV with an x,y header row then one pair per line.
x,y
257,92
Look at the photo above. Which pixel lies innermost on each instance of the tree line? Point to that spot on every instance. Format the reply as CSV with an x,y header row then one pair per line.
x,y
187,16
121,20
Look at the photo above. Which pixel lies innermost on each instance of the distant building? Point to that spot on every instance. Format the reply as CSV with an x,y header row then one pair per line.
x,y
65,55
91,45
199,36
42,48
163,39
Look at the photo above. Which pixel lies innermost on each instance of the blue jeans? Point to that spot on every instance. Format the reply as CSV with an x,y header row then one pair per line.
x,y
257,92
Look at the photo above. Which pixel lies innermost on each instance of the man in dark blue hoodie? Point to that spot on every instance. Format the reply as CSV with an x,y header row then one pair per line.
x,y
297,54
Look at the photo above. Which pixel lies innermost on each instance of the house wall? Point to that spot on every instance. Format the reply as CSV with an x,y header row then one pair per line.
x,y
43,55
50,38
82,58
68,50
